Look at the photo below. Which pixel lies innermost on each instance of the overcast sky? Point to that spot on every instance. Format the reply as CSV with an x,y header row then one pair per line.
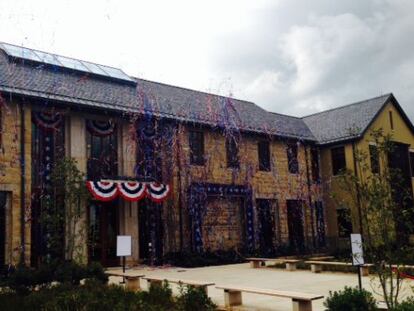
x,y
289,56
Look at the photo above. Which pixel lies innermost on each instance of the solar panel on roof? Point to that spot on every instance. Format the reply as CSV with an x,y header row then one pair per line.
x,y
115,73
48,58
66,62
71,63
20,52
94,68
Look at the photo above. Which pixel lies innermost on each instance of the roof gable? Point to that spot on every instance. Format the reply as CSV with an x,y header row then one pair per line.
x,y
347,122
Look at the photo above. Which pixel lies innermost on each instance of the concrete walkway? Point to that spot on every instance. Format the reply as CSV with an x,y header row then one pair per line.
x,y
242,274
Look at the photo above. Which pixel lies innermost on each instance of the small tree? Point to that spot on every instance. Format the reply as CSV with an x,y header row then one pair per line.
x,y
385,206
65,213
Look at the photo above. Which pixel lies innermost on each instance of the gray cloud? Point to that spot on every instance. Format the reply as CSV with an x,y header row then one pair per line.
x,y
298,59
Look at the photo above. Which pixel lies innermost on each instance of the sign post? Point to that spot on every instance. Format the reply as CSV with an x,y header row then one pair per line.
x,y
123,248
357,254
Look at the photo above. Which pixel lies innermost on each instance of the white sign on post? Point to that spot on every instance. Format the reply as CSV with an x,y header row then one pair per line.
x,y
123,245
357,251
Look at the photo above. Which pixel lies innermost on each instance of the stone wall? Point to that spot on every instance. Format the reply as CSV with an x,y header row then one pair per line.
x,y
10,177
277,185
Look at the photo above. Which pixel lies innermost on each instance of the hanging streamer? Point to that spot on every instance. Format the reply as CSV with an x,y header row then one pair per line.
x,y
129,190
132,191
49,121
157,192
103,191
100,128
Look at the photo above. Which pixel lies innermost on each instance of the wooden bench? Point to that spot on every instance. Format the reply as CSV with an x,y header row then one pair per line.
x,y
131,279
317,266
290,263
300,301
159,280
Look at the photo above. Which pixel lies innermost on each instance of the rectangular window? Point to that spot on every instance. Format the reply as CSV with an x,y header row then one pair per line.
x,y
102,152
292,154
315,165
1,128
266,217
374,158
412,163
264,155
3,201
320,224
338,160
344,222
232,151
391,120
196,139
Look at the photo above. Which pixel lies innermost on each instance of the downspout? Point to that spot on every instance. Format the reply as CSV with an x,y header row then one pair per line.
x,y
358,191
22,183
310,197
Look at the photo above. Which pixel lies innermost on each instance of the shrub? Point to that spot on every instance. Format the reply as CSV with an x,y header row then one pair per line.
x,y
350,299
407,305
23,279
159,296
192,298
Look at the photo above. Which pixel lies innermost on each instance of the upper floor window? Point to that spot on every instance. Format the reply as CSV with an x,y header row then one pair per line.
x,y
292,154
374,158
102,149
196,140
391,120
338,160
264,155
232,152
315,165
412,162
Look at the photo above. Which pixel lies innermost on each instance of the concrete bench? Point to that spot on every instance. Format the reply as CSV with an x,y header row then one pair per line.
x,y
321,258
159,280
317,266
300,301
290,263
131,279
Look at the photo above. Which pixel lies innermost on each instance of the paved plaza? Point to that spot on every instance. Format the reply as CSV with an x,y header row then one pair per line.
x,y
267,278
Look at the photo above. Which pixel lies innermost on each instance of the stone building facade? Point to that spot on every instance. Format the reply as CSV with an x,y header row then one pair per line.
x,y
240,177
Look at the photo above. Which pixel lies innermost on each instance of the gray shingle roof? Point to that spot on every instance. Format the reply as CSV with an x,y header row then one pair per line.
x,y
345,122
39,80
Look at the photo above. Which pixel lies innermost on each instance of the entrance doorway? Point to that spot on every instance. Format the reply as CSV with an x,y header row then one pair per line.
x,y
103,229
295,225
3,202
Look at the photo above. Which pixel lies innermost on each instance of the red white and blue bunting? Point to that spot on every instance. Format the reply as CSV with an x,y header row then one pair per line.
x,y
131,191
100,128
103,190
157,192
48,121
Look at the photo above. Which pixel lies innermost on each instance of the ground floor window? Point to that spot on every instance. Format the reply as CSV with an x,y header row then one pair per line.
x,y
320,224
103,230
344,222
150,231
3,202
267,217
295,225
